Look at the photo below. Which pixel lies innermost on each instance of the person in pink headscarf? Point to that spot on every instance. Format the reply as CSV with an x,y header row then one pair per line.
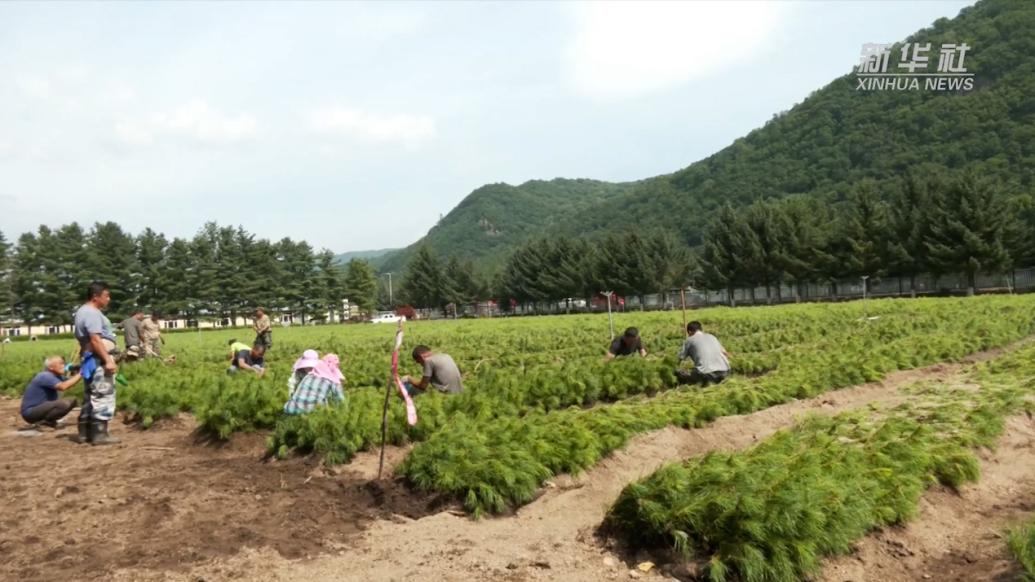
x,y
302,367
321,386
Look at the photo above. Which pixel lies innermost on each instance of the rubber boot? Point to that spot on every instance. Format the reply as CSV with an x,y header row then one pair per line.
x,y
100,434
85,430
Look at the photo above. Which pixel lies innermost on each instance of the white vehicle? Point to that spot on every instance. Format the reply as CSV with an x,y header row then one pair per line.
x,y
387,317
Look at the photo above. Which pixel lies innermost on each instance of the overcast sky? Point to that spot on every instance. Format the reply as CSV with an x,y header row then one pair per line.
x,y
354,126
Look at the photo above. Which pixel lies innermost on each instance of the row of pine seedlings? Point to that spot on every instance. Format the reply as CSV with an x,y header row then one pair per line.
x,y
494,464
774,511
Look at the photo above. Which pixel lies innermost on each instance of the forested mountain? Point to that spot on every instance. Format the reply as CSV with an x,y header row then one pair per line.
x,y
821,148
495,218
375,257
840,135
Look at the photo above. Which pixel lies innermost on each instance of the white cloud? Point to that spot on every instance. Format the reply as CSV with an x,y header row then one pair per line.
x,y
624,49
397,127
35,87
118,94
196,120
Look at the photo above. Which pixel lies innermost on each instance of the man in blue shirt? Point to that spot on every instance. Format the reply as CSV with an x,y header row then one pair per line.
x,y
40,403
96,338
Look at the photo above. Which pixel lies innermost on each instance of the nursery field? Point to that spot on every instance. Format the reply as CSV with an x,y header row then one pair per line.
x,y
552,463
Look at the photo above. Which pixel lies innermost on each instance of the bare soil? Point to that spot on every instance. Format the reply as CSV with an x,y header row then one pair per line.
x,y
163,506
956,536
165,499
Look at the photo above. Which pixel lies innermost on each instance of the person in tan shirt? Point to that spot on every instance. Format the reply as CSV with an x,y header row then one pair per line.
x,y
151,336
263,329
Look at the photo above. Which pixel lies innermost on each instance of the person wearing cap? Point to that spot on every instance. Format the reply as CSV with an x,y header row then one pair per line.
x,y
320,387
626,345
151,336
302,367
263,329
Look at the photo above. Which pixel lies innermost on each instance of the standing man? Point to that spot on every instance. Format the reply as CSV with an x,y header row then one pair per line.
x,y
440,371
711,361
151,336
626,345
40,403
131,331
97,353
263,329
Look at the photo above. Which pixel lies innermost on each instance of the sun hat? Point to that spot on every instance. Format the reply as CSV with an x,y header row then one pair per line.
x,y
309,359
327,368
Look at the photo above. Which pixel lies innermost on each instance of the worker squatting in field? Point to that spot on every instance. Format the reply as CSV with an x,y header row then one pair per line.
x,y
710,359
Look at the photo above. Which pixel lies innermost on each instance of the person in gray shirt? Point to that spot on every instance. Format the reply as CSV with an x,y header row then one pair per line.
x,y
98,365
440,371
131,331
711,361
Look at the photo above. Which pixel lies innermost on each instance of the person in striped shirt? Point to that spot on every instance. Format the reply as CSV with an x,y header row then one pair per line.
x,y
320,387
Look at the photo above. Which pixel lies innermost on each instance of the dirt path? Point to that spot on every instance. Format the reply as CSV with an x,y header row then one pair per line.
x,y
162,500
551,538
956,536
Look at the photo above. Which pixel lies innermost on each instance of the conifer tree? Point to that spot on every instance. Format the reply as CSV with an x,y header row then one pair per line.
x,y
423,282
970,225
361,285
908,224
866,233
177,280
461,285
725,245
150,249
111,257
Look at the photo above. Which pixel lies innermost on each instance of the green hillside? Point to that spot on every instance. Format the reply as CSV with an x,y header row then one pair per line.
x,y
820,148
840,135
495,218
373,256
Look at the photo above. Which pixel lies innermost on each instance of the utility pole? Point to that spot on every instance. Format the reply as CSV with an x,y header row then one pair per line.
x,y
391,300
864,278
610,318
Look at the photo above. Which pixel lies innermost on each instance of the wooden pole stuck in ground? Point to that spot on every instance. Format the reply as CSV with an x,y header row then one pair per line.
x,y
682,300
384,427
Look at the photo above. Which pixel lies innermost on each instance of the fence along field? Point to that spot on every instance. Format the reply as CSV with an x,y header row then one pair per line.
x,y
538,398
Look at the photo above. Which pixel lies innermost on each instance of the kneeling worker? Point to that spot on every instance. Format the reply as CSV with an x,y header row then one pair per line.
x,y
40,403
250,360
320,387
627,345
711,361
440,371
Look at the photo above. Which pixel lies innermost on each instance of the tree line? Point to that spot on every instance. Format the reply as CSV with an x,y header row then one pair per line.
x,y
222,272
554,269
924,224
